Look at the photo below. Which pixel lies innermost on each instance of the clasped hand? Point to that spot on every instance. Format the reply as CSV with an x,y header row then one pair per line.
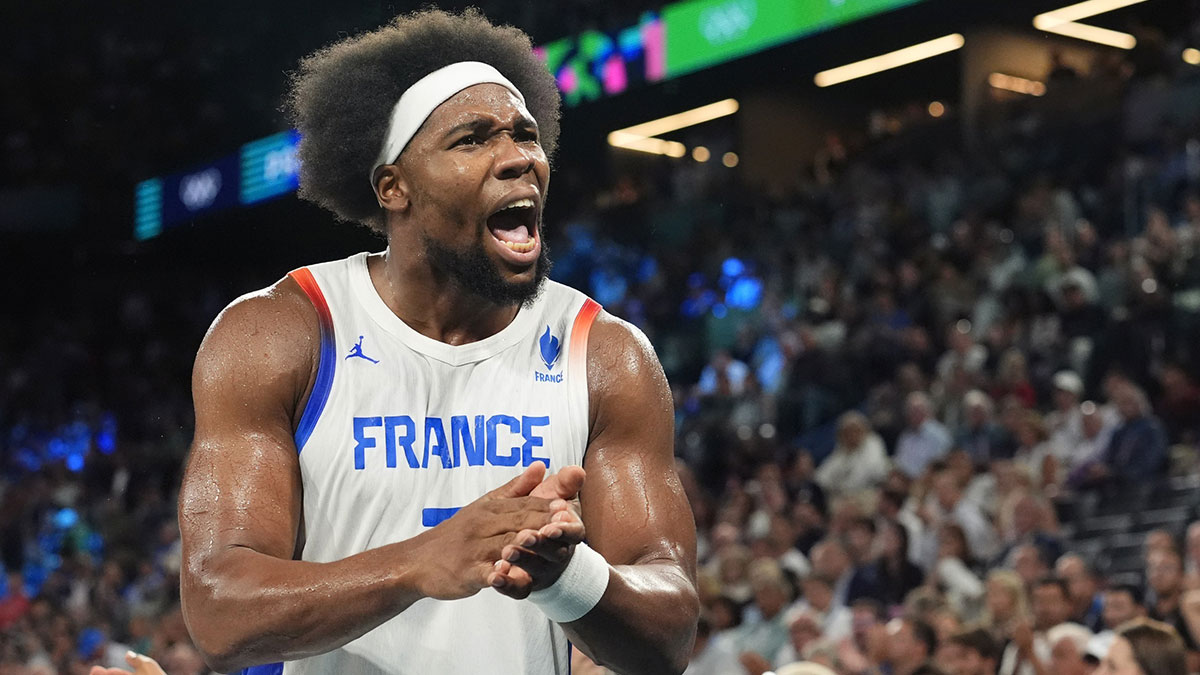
x,y
517,538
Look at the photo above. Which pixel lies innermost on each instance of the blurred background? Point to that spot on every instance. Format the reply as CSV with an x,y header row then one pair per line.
x,y
931,320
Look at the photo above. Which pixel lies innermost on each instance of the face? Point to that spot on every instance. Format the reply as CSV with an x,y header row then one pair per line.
x,y
1049,606
1164,572
1119,607
903,646
476,154
1065,659
1000,601
960,660
1119,660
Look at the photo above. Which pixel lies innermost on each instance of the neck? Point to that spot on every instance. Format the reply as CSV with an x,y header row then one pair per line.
x,y
432,304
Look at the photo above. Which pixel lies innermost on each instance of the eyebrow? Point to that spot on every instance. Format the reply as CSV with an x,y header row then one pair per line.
x,y
521,122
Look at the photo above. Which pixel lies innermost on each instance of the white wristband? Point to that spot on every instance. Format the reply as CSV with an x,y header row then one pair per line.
x,y
577,590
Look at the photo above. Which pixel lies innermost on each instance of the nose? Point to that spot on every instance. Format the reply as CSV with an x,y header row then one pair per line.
x,y
512,159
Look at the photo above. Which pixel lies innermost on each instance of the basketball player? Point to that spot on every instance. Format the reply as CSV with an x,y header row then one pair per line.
x,y
389,448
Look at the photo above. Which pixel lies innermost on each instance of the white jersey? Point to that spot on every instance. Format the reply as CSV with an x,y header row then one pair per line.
x,y
401,430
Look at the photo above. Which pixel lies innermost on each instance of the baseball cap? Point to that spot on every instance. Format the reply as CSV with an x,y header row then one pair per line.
x,y
1098,646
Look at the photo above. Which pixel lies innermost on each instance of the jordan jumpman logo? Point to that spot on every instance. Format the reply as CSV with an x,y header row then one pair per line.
x,y
356,350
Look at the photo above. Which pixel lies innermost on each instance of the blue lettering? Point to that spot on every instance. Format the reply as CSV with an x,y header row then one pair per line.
x,y
406,440
531,441
361,424
493,456
435,433
471,448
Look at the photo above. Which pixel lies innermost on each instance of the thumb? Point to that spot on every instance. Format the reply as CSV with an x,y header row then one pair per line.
x,y
522,485
563,485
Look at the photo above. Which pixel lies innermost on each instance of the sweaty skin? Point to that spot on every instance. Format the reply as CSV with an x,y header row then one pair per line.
x,y
247,600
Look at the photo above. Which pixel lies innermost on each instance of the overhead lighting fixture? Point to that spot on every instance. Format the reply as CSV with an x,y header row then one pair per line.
x,y
900,57
1016,84
1065,21
641,137
1191,55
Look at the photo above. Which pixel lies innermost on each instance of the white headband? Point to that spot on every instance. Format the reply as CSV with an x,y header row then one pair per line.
x,y
418,102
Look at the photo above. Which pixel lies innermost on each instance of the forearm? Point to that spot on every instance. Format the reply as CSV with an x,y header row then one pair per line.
x,y
246,608
645,623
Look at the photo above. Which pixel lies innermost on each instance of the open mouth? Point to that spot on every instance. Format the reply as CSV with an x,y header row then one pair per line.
x,y
515,225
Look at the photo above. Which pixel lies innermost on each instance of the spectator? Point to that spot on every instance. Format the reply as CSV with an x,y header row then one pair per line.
x,y
891,572
859,460
830,562
911,644
1050,607
974,652
1145,648
1065,423
1087,603
766,631
835,621
924,440
1096,431
981,438
1122,604
1164,577
1006,604
1068,646
1137,451
804,628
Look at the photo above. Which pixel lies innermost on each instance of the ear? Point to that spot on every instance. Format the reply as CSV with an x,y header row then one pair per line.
x,y
391,188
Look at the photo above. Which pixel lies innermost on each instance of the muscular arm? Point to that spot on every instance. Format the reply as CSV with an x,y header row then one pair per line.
x,y
635,512
245,599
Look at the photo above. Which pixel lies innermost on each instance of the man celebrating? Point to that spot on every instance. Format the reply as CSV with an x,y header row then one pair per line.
x,y
368,479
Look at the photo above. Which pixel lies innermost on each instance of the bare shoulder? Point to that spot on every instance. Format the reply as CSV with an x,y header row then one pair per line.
x,y
623,370
266,342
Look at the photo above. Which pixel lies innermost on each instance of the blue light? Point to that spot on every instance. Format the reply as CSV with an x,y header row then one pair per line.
x,y
733,267
719,311
745,293
75,462
65,519
106,441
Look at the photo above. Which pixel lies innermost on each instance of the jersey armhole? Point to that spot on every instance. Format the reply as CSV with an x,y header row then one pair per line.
x,y
577,365
326,359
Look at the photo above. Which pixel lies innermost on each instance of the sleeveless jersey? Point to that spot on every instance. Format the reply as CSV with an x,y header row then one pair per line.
x,y
401,430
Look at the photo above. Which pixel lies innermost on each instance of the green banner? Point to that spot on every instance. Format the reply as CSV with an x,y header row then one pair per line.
x,y
701,33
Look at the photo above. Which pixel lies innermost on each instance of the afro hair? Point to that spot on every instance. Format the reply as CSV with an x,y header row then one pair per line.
x,y
341,97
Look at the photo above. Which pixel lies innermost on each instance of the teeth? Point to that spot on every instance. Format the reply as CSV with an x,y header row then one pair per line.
x,y
519,248
526,203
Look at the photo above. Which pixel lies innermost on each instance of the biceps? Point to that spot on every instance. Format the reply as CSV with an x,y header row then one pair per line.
x,y
241,489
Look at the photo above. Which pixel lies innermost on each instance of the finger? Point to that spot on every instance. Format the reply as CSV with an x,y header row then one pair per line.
x,y
548,551
565,484
563,533
97,670
522,485
516,583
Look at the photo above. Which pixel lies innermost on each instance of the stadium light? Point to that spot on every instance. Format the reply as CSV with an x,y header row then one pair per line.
x,y
900,57
1084,10
641,137
1016,84
1064,21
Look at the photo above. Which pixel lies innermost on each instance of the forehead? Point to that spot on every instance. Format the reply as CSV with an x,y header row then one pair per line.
x,y
489,101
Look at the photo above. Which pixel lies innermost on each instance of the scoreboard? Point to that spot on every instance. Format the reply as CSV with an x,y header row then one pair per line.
x,y
261,170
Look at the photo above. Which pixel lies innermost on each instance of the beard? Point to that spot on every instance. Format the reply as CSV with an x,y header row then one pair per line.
x,y
473,271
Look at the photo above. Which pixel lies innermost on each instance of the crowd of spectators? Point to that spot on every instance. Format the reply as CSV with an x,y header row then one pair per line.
x,y
906,389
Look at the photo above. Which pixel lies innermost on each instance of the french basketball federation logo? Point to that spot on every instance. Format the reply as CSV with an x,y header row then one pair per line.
x,y
550,349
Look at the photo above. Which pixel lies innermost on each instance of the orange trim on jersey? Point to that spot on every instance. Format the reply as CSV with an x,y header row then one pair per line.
x,y
577,359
